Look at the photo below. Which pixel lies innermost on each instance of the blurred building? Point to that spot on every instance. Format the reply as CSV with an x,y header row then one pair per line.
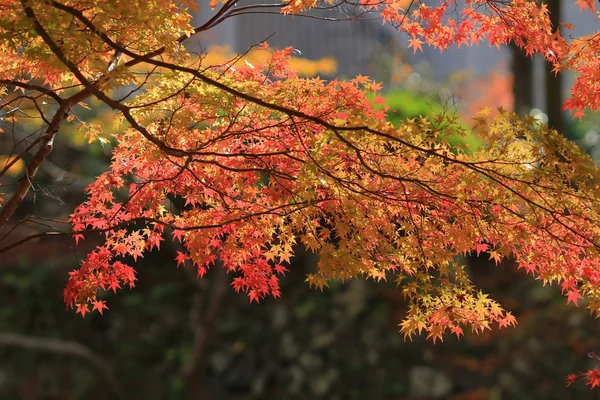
x,y
364,46
359,45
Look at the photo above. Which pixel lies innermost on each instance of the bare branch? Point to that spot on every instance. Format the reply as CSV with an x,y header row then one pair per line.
x,y
65,348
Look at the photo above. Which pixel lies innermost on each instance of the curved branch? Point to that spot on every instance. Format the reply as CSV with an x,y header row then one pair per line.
x,y
65,348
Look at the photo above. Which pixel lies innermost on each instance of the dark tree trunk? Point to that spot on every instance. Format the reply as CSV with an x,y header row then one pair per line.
x,y
522,70
554,98
204,317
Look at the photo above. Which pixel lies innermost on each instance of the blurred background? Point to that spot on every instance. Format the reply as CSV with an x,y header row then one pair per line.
x,y
175,337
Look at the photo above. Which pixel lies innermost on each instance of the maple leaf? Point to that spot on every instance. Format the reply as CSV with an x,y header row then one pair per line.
x,y
136,252
270,255
593,378
361,79
436,332
181,258
494,255
178,234
82,308
573,295
254,296
285,257
508,320
567,25
280,269
579,114
215,243
571,379
78,237
457,330
379,100
479,247
99,305
114,285
584,5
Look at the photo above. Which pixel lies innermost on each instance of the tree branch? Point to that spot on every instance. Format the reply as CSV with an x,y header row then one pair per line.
x,y
25,182
65,348
31,86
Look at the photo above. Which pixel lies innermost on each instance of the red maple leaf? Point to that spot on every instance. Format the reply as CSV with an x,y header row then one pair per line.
x,y
99,305
479,247
457,330
280,269
82,308
573,295
593,378
181,257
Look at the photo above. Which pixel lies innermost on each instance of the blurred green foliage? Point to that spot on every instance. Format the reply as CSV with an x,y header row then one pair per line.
x,y
405,104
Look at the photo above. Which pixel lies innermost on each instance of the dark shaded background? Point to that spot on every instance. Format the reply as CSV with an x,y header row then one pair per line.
x,y
342,343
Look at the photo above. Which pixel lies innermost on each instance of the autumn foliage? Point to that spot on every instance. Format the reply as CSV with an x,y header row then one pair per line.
x,y
240,162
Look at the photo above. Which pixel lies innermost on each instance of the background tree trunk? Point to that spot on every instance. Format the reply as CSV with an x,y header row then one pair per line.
x,y
522,70
204,316
554,98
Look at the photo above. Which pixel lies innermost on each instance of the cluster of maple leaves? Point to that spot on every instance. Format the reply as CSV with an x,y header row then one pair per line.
x,y
240,163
